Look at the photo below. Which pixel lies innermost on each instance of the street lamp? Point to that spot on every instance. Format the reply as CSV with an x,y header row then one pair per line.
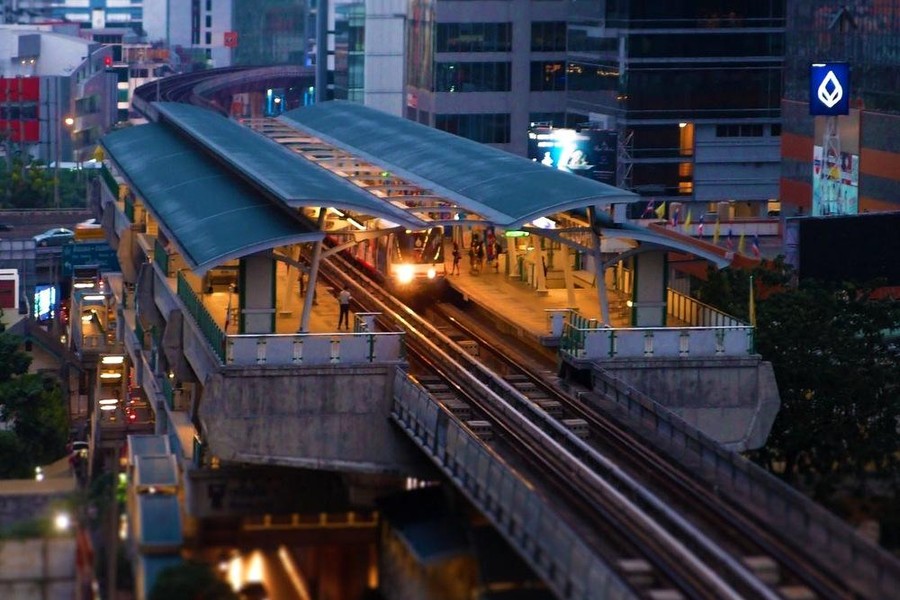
x,y
69,121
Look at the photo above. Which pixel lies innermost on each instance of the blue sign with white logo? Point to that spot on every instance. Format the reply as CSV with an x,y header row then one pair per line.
x,y
829,89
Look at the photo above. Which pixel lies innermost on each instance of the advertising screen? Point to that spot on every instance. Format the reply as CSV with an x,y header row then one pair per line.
x,y
590,152
835,183
45,298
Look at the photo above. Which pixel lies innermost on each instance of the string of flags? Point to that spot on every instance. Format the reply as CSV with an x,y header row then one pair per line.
x,y
660,213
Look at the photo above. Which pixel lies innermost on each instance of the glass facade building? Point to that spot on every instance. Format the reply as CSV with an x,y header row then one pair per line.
x,y
682,79
483,69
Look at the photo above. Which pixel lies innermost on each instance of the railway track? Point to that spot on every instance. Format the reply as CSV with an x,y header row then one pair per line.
x,y
720,557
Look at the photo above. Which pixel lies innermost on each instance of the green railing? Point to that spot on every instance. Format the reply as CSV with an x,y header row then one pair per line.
x,y
168,392
208,326
161,257
110,181
139,332
129,207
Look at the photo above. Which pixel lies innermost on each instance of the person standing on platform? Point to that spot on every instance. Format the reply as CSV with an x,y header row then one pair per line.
x,y
456,257
344,304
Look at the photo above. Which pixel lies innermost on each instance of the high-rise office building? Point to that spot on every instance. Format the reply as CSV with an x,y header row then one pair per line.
x,y
485,70
850,163
694,89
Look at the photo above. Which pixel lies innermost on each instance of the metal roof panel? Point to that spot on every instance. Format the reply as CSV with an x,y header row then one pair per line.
x,y
286,175
210,214
506,189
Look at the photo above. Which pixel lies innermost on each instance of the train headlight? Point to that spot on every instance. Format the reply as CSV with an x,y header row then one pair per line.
x,y
405,274
432,273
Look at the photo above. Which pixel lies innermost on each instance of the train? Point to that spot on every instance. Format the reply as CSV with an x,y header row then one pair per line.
x,y
405,261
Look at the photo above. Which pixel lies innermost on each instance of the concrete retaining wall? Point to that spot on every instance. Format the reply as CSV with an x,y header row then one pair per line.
x,y
732,400
331,417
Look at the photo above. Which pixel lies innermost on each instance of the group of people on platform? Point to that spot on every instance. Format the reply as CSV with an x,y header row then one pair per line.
x,y
480,251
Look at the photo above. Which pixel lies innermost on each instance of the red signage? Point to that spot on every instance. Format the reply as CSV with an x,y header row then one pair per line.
x,y
231,39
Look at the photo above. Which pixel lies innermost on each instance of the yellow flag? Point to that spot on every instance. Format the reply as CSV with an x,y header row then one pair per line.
x,y
741,243
661,211
687,222
716,233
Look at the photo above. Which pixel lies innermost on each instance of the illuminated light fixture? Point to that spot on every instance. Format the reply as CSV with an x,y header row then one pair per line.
x,y
432,273
544,223
108,407
682,125
87,318
112,360
405,273
629,304
108,401
83,284
110,375
94,297
515,234
61,522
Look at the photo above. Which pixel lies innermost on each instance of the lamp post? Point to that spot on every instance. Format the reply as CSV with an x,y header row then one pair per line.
x,y
69,121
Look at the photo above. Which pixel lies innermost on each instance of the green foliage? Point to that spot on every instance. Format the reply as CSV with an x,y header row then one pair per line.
x,y
839,382
836,432
35,406
193,580
27,183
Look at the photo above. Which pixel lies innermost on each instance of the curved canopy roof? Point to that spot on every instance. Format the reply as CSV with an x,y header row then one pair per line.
x,y
276,169
209,213
506,189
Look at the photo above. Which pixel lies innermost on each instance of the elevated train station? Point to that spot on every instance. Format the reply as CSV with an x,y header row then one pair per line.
x,y
218,227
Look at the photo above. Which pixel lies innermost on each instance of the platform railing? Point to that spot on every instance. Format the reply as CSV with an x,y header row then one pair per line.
x,y
587,341
313,348
804,521
161,257
208,326
692,311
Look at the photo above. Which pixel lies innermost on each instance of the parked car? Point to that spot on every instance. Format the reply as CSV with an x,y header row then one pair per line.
x,y
54,237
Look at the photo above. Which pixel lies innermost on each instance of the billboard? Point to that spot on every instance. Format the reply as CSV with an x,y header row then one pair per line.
x,y
857,248
588,152
835,183
45,299
829,89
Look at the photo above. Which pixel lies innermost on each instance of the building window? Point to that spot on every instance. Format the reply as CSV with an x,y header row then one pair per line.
x,y
775,129
548,76
472,77
745,130
208,37
208,5
551,119
474,37
487,128
548,36
208,21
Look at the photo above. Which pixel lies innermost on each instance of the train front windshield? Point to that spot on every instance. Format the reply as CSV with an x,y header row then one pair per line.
x,y
420,247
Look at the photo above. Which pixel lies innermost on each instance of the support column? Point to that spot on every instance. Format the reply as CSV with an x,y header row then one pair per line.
x,y
602,294
257,294
313,275
567,274
649,293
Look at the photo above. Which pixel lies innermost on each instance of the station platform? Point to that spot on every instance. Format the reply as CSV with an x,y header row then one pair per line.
x,y
519,306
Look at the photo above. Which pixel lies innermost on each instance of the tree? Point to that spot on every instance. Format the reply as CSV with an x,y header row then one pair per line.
x,y
840,388
34,405
190,580
837,377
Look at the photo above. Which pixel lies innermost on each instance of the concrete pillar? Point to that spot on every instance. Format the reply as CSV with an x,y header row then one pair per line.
x,y
257,294
649,294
